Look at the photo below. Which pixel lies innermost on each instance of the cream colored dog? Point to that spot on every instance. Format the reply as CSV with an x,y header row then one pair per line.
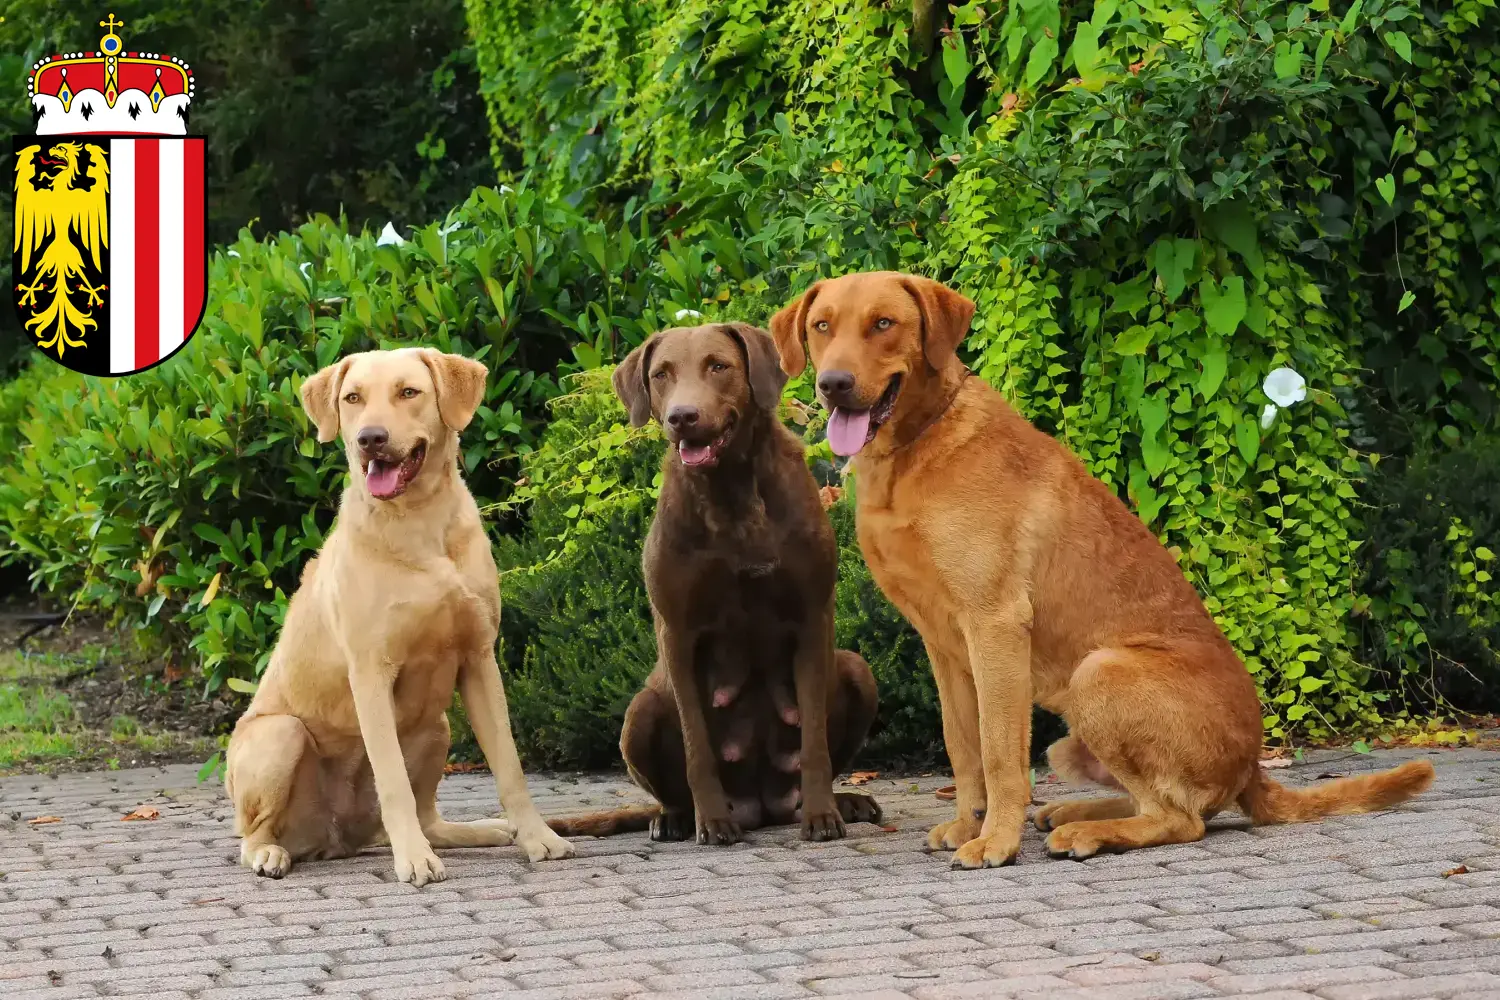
x,y
348,732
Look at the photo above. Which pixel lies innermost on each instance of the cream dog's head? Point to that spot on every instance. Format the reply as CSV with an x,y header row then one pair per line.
x,y
396,410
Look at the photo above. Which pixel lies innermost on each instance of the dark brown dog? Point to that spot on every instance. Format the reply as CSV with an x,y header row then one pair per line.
x,y
750,710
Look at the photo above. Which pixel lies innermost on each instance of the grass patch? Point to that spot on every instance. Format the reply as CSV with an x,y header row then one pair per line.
x,y
58,711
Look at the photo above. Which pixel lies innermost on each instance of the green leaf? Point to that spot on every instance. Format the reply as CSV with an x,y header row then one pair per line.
x,y
1223,306
1310,684
1236,228
1347,24
1215,362
1407,298
1039,63
1387,187
1360,746
955,60
1172,259
307,448
1288,62
1247,437
1398,41
1134,340
1086,49
209,767
241,685
1325,46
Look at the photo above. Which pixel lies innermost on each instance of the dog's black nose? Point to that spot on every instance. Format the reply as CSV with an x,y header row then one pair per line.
x,y
679,417
835,383
370,438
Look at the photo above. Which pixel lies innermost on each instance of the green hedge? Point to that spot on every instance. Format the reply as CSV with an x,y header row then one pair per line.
x,y
184,503
1153,206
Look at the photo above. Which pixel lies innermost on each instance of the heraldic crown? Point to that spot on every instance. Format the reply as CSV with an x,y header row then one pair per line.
x,y
111,91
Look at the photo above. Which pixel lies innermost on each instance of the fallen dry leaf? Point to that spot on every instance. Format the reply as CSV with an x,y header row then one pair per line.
x,y
464,767
1277,762
41,820
889,829
947,793
141,812
1460,870
829,495
862,777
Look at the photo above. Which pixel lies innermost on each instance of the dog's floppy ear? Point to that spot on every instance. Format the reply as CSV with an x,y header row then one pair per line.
x,y
632,381
320,398
763,367
459,383
789,330
945,318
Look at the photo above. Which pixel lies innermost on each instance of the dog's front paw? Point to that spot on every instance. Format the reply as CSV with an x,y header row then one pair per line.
x,y
952,835
719,832
994,851
268,860
415,863
541,844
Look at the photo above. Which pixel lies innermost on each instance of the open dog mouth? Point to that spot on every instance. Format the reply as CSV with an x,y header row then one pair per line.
x,y
705,455
387,478
850,430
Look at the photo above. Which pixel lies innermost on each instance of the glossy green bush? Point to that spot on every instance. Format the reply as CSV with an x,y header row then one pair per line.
x,y
185,502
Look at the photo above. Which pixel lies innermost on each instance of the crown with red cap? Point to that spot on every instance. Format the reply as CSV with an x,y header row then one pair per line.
x,y
111,91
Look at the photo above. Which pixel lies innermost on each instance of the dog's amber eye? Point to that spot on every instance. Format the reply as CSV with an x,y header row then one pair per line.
x,y
659,375
410,393
717,366
821,326
351,397
884,324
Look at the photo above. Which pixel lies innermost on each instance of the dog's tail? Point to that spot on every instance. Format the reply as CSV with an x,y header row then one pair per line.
x,y
606,823
1265,801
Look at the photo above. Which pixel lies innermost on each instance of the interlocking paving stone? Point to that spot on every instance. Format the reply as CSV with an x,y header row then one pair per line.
x,y
1353,908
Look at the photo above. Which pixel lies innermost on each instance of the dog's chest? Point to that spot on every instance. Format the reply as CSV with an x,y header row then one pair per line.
x,y
900,560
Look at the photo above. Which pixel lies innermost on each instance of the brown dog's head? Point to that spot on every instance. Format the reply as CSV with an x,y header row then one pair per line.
x,y
394,408
702,384
870,335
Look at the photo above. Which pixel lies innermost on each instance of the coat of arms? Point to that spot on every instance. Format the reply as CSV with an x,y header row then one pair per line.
x,y
110,263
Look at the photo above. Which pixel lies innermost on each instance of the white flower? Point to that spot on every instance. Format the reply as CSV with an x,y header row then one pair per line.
x,y
504,189
234,253
1285,387
389,237
304,268
1267,415
685,313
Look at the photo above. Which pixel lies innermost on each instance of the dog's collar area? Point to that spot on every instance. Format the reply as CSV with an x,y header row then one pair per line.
x,y
942,411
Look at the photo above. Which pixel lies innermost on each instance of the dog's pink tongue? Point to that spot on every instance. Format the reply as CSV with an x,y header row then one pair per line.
x,y
693,454
382,478
847,430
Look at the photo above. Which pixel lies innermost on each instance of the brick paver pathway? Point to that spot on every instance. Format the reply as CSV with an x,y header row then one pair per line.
x,y
1404,904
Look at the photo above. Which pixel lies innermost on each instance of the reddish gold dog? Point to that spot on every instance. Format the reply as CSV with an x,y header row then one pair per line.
x,y
1030,580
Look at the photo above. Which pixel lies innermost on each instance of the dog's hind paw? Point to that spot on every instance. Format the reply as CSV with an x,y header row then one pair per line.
x,y
857,807
672,825
952,835
269,861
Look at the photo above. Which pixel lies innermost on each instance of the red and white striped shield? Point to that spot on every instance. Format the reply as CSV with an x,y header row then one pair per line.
x,y
110,260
